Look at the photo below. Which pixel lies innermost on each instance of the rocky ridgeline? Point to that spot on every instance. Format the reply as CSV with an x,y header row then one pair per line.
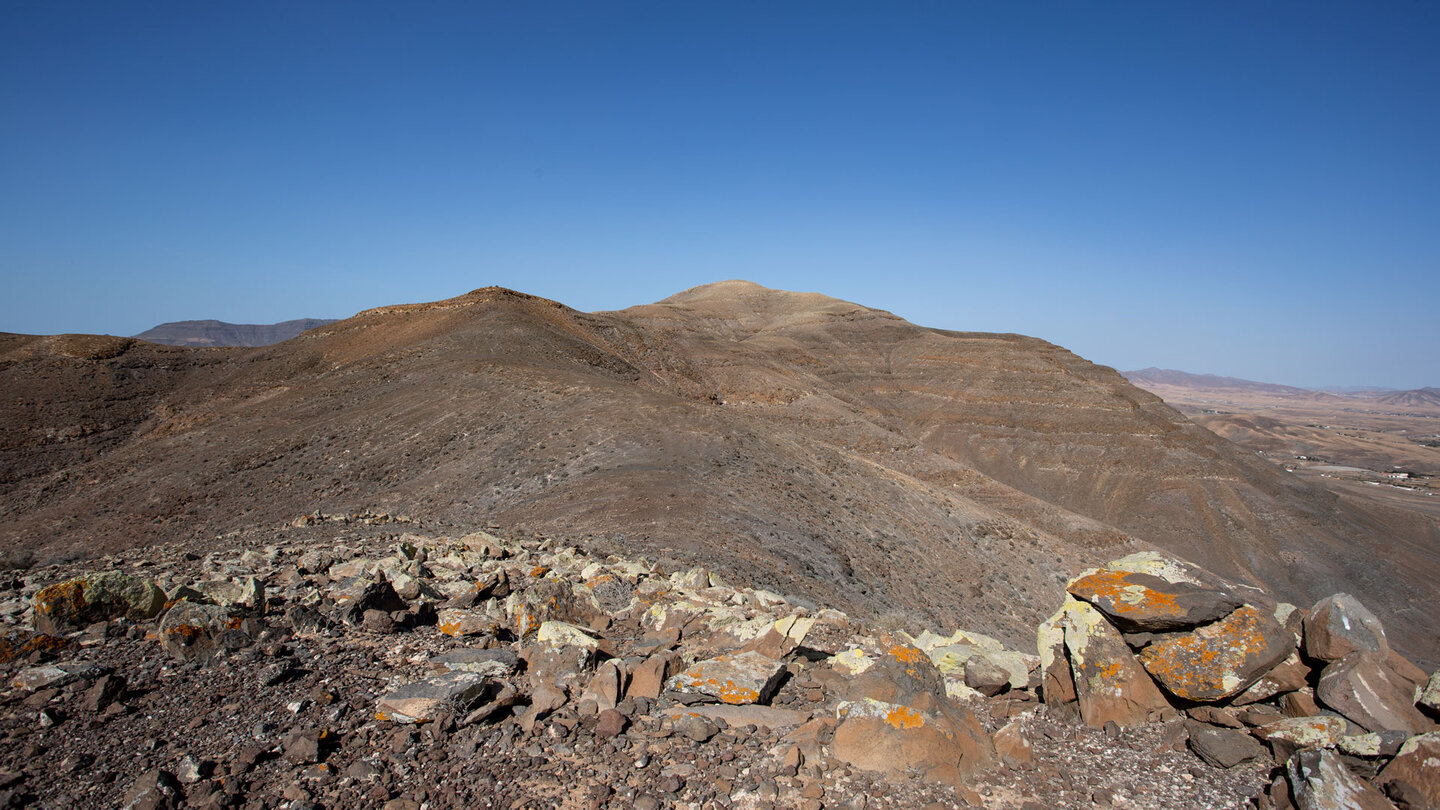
x,y
481,671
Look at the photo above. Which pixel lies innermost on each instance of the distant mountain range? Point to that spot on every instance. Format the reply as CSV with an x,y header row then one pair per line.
x,y
1151,378
220,333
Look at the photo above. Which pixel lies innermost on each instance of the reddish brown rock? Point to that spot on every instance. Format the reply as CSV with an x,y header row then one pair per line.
x,y
1142,602
649,676
1221,659
1339,625
1364,690
1110,684
1413,776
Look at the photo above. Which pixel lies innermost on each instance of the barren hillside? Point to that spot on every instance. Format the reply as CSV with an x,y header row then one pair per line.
x,y
793,441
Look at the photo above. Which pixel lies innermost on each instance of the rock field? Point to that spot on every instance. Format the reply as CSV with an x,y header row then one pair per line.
x,y
349,661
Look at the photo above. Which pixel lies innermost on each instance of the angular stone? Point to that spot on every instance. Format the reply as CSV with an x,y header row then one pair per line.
x,y
610,723
1110,684
246,592
606,687
1287,676
76,603
155,790
647,679
1319,780
1360,687
746,677
1339,625
1292,734
105,691
496,663
459,623
420,701
749,714
1218,660
1057,684
563,656
1223,747
894,738
191,631
1300,703
1374,744
1413,776
1140,602
904,719
54,676
1012,746
985,677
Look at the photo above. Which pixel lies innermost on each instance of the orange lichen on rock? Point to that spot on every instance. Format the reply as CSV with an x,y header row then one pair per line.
x,y
904,717
906,654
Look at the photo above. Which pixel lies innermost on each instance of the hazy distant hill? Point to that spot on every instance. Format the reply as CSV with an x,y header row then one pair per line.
x,y
220,333
1422,398
1146,377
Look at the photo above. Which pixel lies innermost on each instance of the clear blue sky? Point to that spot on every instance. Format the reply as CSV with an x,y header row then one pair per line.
x,y
1250,189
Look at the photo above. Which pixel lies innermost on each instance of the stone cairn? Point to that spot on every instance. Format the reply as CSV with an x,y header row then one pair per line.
x,y
519,638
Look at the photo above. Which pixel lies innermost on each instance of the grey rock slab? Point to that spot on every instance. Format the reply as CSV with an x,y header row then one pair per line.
x,y
744,715
746,677
421,701
493,663
1319,780
1223,747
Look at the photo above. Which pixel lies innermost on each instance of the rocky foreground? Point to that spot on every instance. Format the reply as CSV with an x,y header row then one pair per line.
x,y
348,667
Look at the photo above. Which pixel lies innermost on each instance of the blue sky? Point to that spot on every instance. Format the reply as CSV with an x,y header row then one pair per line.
x,y
1235,188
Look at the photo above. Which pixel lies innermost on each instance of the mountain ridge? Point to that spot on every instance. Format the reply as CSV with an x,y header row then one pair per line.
x,y
807,445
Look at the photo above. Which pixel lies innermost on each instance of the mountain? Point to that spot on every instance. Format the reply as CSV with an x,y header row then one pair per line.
x,y
791,441
1421,399
220,333
1150,378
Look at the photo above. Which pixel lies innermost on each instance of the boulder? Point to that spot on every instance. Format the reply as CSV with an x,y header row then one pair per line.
x,y
459,623
191,631
1319,780
985,676
606,687
563,656
1413,776
746,677
895,715
421,701
1291,734
1360,687
155,790
76,603
246,592
939,742
1223,747
1110,684
1339,625
1221,659
1142,602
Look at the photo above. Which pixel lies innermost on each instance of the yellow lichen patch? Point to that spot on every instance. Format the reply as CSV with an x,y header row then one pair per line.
x,y
596,582
449,628
903,717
